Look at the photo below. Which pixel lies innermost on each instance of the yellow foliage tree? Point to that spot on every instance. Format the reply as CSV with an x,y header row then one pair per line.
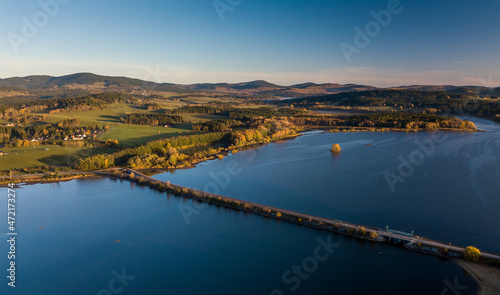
x,y
336,148
472,254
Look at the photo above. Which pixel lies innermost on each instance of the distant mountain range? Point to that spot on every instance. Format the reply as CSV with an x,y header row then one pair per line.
x,y
87,79
82,83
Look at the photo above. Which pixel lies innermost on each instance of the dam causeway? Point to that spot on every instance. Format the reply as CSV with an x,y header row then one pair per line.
x,y
373,234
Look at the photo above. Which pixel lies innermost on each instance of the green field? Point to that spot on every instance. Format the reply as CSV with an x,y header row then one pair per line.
x,y
130,135
112,114
26,157
106,116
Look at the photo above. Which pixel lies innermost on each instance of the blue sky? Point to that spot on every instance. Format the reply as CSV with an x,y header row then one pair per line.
x,y
286,42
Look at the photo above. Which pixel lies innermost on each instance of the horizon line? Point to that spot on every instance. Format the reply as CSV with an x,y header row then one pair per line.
x,y
249,81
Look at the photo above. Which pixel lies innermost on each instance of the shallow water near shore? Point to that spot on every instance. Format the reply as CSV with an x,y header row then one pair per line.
x,y
171,246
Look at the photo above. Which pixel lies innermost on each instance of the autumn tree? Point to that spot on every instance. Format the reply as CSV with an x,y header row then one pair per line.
x,y
472,254
336,148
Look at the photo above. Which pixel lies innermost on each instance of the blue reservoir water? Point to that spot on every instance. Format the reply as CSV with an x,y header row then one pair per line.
x,y
169,245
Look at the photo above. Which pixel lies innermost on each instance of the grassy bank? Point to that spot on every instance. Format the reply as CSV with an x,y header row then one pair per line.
x,y
47,178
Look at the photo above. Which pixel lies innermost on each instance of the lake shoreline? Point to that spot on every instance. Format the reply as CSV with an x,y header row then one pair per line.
x,y
34,179
29,179
487,277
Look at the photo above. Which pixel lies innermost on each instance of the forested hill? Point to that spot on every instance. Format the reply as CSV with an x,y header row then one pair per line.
x,y
79,84
48,82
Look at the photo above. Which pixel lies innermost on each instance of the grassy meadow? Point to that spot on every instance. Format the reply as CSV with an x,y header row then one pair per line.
x,y
130,135
26,157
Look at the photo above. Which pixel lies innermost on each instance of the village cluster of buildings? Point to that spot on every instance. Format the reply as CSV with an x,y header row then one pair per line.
x,y
81,136
78,136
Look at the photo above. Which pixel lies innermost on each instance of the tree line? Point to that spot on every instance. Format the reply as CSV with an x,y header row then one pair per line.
x,y
239,113
201,110
166,151
217,125
388,120
264,112
57,105
441,101
151,119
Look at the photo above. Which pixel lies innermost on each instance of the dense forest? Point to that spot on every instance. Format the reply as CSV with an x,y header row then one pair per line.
x,y
86,103
93,100
440,102
379,96
217,125
201,110
388,120
151,119
246,114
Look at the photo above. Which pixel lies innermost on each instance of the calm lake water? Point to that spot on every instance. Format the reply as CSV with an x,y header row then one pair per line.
x,y
169,245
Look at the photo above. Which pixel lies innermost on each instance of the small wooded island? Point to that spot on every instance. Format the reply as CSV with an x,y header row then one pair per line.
x,y
336,148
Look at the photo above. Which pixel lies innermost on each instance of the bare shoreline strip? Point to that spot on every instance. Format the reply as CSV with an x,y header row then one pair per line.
x,y
487,277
